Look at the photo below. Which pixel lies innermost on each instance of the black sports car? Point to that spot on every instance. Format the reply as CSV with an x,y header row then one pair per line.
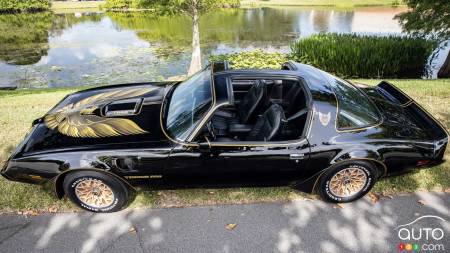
x,y
298,126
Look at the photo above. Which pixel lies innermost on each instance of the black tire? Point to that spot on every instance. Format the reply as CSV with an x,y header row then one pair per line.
x,y
121,193
327,194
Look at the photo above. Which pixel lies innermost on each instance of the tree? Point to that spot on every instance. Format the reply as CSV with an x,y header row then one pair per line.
x,y
193,8
428,18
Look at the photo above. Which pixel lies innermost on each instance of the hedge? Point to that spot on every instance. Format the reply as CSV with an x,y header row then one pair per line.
x,y
24,5
351,55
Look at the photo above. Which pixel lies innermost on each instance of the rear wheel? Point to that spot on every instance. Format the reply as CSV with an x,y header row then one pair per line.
x,y
347,181
96,191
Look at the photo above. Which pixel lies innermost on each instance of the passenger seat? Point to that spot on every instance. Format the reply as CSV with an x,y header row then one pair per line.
x,y
268,127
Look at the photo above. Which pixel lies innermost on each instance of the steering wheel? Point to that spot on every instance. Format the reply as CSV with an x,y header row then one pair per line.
x,y
211,130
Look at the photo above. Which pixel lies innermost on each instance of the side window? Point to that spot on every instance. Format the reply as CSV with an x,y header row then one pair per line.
x,y
354,107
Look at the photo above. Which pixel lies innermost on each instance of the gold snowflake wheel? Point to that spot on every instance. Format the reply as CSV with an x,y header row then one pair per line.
x,y
94,193
348,182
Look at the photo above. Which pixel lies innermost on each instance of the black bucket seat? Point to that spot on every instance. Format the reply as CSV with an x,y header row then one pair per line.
x,y
247,110
269,125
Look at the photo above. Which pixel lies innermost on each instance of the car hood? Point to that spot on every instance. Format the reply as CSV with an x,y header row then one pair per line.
x,y
102,118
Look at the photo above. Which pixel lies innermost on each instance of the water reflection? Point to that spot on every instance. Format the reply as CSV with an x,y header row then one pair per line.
x,y
24,38
42,50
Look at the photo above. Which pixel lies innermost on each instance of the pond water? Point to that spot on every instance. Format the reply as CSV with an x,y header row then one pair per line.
x,y
55,50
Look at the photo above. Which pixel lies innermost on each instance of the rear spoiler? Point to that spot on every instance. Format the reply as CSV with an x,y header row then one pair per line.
x,y
427,122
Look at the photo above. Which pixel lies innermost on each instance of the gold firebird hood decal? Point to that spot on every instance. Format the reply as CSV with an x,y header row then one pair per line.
x,y
77,119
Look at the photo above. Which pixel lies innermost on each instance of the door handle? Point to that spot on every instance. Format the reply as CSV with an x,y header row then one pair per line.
x,y
297,156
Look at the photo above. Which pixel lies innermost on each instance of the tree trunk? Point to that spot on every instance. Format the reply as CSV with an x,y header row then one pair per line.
x,y
196,60
445,69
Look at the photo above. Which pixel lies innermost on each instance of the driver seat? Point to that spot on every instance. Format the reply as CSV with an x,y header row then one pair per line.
x,y
253,101
247,110
269,125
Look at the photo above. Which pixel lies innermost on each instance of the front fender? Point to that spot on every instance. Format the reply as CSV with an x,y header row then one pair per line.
x,y
59,179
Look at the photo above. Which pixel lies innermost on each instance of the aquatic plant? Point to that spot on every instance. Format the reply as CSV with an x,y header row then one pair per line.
x,y
351,55
347,55
257,59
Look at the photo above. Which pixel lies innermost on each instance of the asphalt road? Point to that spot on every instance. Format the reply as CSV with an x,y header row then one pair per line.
x,y
302,226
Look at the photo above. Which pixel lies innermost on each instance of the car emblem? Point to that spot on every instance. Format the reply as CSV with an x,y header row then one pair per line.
x,y
324,118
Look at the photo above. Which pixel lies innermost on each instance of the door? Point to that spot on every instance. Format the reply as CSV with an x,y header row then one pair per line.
x,y
235,164
264,158
266,162
189,160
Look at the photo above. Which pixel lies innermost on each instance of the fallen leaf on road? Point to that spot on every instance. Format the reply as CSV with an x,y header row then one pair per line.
x,y
388,195
132,230
53,209
230,226
374,197
340,205
30,212
422,202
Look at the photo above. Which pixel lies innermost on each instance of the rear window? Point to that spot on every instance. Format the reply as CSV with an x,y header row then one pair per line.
x,y
355,110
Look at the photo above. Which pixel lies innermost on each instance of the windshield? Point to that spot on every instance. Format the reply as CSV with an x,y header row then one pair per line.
x,y
188,104
354,107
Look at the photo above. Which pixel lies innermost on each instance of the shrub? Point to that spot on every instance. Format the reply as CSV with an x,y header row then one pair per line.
x,y
257,59
350,55
230,3
117,4
24,5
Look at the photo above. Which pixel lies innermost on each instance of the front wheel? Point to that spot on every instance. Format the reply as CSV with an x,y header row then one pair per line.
x,y
96,191
347,182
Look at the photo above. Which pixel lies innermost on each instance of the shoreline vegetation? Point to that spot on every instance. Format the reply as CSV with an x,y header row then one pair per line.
x,y
347,55
7,6
136,5
20,107
329,3
13,6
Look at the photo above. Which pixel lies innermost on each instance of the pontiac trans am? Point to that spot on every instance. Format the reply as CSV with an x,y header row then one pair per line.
x,y
297,126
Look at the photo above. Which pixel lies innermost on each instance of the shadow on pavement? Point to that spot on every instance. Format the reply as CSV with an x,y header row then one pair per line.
x,y
301,226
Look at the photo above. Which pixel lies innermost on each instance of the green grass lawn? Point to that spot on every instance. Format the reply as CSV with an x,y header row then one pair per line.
x,y
19,108
61,6
339,3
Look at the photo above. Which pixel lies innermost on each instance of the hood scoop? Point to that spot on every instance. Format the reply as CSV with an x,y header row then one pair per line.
x,y
124,107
